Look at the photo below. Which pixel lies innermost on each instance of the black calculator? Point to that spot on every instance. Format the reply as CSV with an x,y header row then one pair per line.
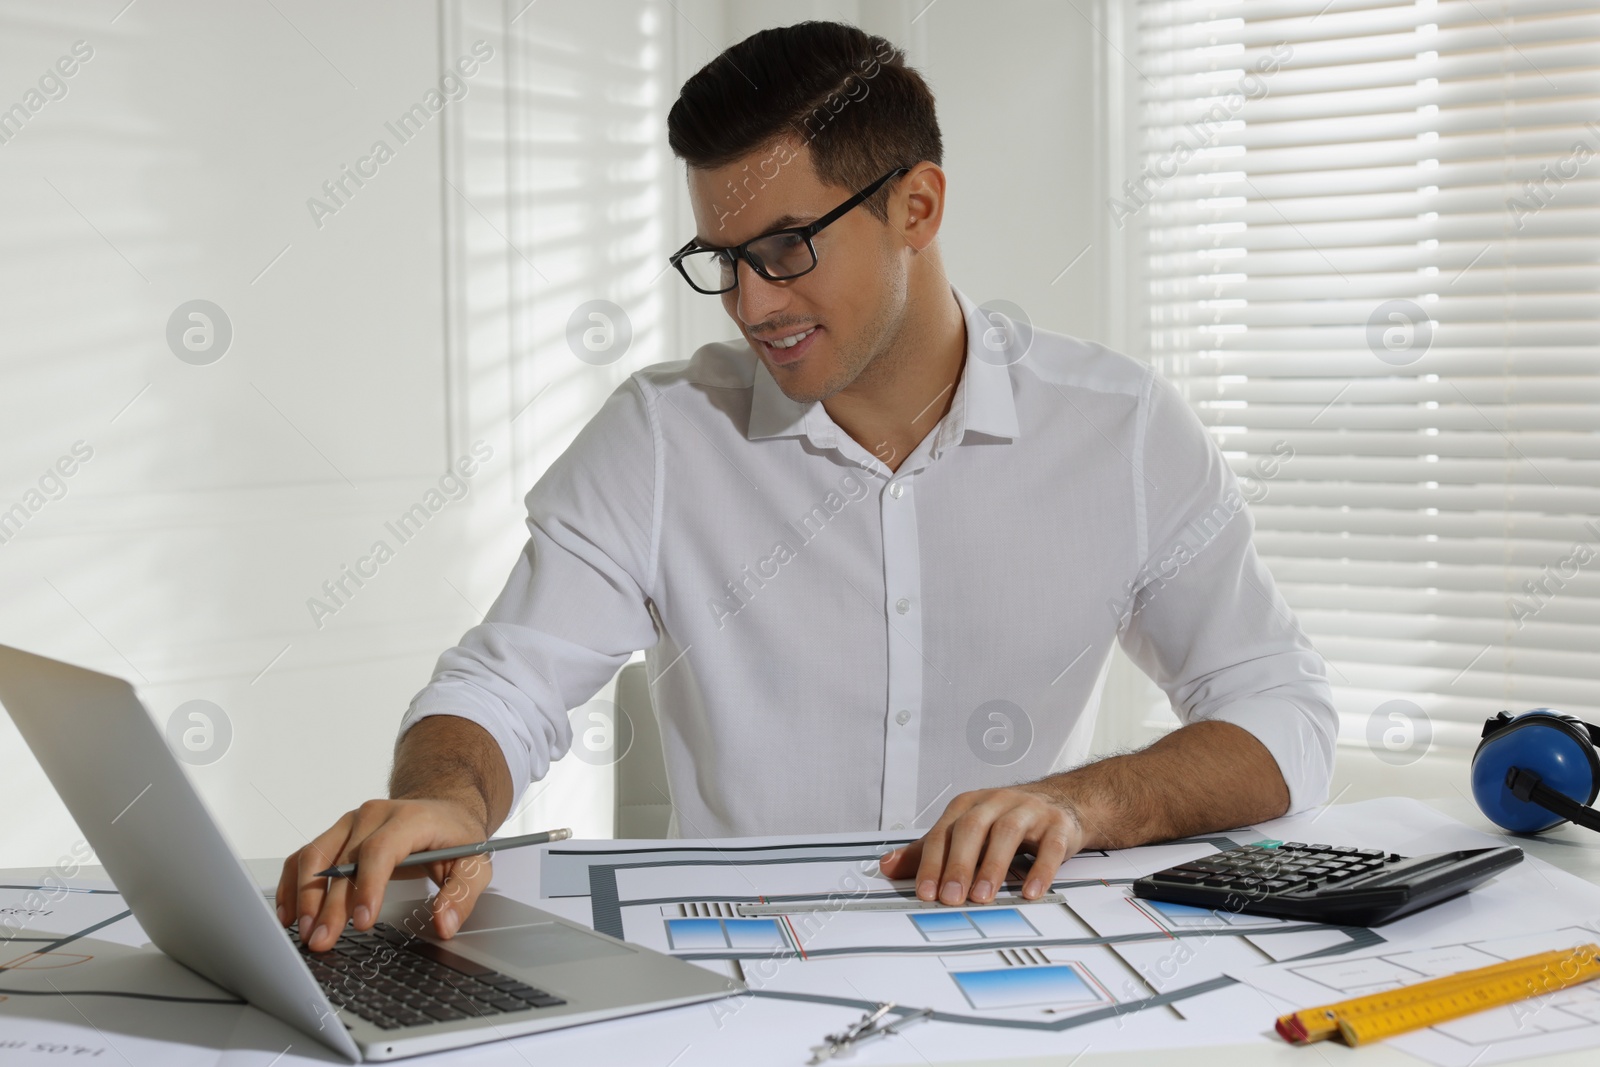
x,y
1335,884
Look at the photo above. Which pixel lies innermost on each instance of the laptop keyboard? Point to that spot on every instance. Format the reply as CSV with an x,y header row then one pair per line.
x,y
393,980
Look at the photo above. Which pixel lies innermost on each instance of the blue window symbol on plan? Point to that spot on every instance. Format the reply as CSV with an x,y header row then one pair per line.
x,y
754,933
1022,987
702,935
999,923
1002,922
696,934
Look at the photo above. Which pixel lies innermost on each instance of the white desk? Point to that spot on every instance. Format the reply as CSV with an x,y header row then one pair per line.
x,y
1570,848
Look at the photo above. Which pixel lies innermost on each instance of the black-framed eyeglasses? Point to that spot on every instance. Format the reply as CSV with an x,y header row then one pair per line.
x,y
776,256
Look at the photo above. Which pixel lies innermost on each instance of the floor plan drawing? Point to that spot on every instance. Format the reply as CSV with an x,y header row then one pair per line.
x,y
819,923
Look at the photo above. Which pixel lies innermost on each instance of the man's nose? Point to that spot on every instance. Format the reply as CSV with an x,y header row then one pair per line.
x,y
756,298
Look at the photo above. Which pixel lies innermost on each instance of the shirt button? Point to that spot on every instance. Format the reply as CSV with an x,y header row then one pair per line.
x,y
898,826
902,605
902,717
895,489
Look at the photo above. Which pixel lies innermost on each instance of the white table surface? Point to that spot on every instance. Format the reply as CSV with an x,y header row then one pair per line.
x,y
1569,847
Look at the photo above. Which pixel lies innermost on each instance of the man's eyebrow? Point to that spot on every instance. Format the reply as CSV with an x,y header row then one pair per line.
x,y
782,222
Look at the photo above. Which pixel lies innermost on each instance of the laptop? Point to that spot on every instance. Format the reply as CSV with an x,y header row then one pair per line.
x,y
382,994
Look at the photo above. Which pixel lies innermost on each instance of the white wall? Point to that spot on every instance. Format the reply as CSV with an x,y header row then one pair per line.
x,y
220,497
368,353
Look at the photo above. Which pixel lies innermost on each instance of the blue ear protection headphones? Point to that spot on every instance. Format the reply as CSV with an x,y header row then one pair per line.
x,y
1536,770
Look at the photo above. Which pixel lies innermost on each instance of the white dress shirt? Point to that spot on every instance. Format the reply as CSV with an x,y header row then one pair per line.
x,y
833,645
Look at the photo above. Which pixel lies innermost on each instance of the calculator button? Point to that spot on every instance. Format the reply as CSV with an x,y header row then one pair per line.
x,y
1378,852
1185,877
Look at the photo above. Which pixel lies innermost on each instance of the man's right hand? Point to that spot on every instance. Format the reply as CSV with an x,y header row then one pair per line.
x,y
376,836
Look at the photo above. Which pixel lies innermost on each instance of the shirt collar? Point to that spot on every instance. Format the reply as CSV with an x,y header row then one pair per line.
x,y
983,400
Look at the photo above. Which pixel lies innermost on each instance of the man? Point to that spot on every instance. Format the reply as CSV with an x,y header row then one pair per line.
x,y
877,548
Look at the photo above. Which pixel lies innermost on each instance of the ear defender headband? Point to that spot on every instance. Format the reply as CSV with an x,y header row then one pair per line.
x,y
1534,771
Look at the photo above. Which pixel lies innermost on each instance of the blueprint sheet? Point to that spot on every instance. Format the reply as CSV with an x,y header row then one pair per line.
x,y
1098,971
1101,970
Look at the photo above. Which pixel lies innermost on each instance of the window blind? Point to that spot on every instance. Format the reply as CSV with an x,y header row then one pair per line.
x,y
1366,245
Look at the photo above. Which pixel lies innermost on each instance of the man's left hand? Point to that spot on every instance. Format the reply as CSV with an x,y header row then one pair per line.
x,y
970,848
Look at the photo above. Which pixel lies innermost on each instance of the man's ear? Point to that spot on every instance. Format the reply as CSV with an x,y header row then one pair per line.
x,y
917,207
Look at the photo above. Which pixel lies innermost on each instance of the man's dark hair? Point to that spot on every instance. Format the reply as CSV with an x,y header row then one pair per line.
x,y
847,94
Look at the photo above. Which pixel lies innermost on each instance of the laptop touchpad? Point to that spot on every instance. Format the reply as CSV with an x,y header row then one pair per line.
x,y
539,946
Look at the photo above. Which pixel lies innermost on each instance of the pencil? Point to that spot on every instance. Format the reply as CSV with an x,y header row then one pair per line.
x,y
482,848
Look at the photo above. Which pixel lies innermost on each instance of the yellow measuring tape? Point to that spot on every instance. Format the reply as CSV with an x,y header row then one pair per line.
x,y
1395,1011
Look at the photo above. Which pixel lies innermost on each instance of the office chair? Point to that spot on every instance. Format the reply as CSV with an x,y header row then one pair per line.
x,y
641,805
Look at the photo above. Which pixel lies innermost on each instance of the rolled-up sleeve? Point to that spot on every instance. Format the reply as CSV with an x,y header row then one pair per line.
x,y
575,607
1206,621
